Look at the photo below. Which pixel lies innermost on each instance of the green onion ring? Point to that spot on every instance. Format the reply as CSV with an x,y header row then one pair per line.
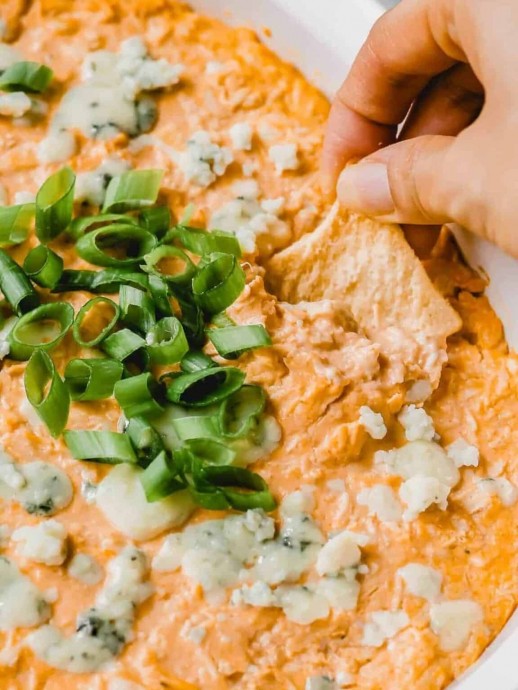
x,y
145,439
92,379
203,242
160,293
73,281
202,388
15,223
15,286
137,309
239,412
196,361
105,330
166,341
233,341
132,190
165,252
31,331
218,284
51,402
196,427
161,478
138,396
156,220
30,77
80,226
55,204
255,495
100,446
136,242
43,266
127,347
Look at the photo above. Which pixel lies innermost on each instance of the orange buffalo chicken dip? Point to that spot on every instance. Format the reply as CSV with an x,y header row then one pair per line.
x,y
248,441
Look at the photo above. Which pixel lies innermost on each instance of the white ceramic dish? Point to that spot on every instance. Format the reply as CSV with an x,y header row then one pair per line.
x,y
322,37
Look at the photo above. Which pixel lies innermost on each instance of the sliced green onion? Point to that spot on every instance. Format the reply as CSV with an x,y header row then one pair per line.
x,y
137,308
92,379
43,266
239,412
222,320
202,388
196,361
104,314
55,204
161,478
46,392
196,427
146,441
192,322
232,341
116,245
244,490
156,220
138,395
15,223
40,329
180,269
133,189
187,214
203,242
15,286
80,226
100,446
218,284
109,280
127,347
210,451
160,293
72,281
166,341
30,77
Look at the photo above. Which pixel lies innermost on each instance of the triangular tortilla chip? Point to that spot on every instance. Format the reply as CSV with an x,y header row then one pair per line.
x,y
369,266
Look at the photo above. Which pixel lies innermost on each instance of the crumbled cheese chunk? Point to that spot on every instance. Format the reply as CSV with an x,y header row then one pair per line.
x,y
203,161
301,604
8,54
453,622
383,625
44,543
193,634
417,424
381,501
419,493
214,67
419,391
241,136
463,453
422,458
284,157
141,73
22,605
501,487
14,104
84,568
421,581
258,594
4,336
57,146
372,422
169,556
339,553
91,186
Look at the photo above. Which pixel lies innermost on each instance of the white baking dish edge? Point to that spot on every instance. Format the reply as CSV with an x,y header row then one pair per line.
x,y
322,37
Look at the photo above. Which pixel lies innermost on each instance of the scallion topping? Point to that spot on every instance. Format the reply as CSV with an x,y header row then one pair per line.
x,y
205,387
166,341
46,392
55,204
100,446
15,223
92,379
156,219
127,347
161,478
232,341
138,396
80,226
146,441
118,245
30,77
240,412
171,264
15,286
202,242
218,284
43,266
137,309
42,328
95,321
132,190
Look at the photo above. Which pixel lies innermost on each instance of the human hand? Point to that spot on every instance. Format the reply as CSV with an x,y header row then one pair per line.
x,y
453,65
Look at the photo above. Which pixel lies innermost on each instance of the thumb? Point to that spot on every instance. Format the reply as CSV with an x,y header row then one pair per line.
x,y
425,180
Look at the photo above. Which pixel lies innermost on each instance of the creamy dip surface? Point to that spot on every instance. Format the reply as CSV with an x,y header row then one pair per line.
x,y
392,560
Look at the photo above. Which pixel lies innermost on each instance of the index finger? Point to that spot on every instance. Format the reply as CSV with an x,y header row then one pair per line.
x,y
406,47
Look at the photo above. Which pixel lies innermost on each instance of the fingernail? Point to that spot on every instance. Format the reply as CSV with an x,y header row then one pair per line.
x,y
365,187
